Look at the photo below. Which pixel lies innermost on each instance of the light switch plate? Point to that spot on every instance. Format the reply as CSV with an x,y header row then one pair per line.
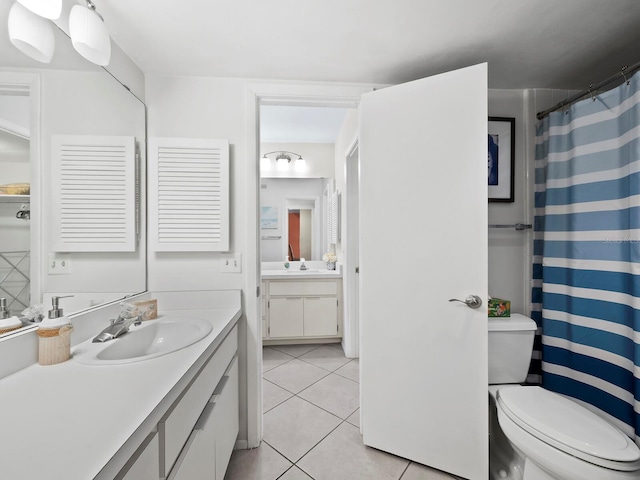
x,y
59,263
231,263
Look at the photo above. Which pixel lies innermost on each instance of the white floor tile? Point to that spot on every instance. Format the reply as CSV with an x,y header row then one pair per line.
x,y
350,370
335,394
295,375
294,350
272,358
294,473
295,426
355,419
273,395
262,463
420,472
342,456
329,358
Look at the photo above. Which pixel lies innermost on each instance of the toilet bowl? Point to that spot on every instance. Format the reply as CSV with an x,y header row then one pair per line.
x,y
539,434
561,440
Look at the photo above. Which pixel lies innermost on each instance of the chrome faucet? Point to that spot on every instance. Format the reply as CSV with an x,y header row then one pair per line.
x,y
302,265
119,326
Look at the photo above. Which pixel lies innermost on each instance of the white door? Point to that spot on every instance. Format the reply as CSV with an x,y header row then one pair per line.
x,y
423,230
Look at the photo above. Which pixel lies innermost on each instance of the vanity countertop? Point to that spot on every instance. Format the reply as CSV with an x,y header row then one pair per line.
x,y
76,421
299,274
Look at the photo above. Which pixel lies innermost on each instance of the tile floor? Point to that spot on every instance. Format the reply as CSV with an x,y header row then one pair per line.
x,y
311,423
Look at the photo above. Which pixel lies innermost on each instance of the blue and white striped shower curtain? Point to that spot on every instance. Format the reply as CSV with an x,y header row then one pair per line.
x,y
586,286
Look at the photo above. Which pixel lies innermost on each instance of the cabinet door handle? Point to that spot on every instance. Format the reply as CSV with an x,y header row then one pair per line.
x,y
206,413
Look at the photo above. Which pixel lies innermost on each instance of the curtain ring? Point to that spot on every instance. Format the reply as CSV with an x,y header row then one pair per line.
x,y
593,99
624,76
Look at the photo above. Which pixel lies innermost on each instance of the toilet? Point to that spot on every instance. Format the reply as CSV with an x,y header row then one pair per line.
x,y
536,434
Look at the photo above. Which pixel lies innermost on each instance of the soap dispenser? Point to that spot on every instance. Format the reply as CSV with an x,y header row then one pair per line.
x,y
7,322
54,341
286,263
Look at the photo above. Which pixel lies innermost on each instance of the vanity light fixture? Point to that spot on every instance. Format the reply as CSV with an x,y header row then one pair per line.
x,y
50,9
283,161
89,35
31,34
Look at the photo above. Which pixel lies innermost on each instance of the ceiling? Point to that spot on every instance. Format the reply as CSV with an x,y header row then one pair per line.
x,y
527,43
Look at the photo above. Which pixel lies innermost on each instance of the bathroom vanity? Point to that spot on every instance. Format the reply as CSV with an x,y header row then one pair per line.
x,y
301,306
173,416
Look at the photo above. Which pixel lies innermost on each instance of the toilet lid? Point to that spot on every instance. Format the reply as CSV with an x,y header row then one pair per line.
x,y
546,414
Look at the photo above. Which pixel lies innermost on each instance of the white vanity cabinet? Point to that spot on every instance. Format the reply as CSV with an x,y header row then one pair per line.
x,y
194,439
303,309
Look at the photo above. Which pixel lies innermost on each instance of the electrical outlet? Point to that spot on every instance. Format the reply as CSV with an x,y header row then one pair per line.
x,y
231,263
59,263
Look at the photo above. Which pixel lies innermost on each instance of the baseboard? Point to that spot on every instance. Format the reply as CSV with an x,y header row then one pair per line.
x,y
241,445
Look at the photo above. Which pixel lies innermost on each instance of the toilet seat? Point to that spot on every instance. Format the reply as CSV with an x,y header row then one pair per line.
x,y
569,427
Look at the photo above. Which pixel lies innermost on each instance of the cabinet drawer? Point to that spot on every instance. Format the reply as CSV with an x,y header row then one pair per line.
x,y
227,419
143,465
311,287
177,424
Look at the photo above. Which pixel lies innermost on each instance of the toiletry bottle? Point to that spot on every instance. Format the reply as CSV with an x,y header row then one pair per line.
x,y
7,322
54,341
286,263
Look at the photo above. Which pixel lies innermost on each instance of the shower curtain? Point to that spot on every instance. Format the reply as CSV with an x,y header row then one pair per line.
x,y
586,286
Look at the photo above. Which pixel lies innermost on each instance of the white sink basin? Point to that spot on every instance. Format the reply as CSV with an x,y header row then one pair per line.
x,y
152,339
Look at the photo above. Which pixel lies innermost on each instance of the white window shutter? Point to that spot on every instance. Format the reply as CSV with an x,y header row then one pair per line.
x,y
94,193
189,195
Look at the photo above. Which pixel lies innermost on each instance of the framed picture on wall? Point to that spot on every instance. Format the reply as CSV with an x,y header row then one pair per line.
x,y
268,218
502,133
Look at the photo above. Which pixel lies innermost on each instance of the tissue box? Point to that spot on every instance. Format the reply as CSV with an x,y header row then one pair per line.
x,y
148,309
499,307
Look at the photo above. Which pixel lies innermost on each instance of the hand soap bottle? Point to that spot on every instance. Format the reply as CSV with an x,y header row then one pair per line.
x,y
7,322
54,341
286,263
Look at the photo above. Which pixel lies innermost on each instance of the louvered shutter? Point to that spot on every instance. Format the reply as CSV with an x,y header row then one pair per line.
x,y
94,193
189,195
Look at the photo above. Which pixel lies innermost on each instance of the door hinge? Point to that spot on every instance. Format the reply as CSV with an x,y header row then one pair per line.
x,y
258,291
337,302
269,330
338,328
268,303
357,269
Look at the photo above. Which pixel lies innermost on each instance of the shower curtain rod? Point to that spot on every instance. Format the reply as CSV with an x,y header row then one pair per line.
x,y
625,73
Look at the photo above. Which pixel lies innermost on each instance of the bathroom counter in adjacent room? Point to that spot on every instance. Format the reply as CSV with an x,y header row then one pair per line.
x,y
81,422
297,274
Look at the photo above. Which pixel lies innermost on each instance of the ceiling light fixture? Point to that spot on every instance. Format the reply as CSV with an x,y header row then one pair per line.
x,y
89,35
50,9
31,34
283,161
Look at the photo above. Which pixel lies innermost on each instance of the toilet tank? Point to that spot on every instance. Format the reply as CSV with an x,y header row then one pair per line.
x,y
510,347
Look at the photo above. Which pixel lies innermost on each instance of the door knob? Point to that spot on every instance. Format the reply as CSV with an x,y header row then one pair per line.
x,y
472,301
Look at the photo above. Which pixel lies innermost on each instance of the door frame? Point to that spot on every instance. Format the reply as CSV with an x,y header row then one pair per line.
x,y
257,94
350,277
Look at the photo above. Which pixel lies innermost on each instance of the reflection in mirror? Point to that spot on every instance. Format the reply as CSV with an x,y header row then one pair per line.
x,y
14,202
292,218
69,96
300,230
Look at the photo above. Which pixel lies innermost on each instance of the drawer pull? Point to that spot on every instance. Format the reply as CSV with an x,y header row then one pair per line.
x,y
206,413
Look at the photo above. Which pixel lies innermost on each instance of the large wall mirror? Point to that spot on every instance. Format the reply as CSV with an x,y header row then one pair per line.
x,y
72,97
294,201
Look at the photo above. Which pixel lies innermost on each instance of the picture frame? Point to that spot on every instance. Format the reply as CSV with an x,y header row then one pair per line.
x,y
269,218
501,159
